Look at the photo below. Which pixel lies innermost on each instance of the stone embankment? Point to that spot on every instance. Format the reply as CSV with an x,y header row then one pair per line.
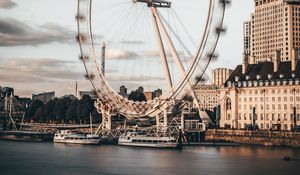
x,y
266,138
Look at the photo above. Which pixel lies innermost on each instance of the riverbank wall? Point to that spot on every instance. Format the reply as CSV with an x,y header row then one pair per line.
x,y
266,138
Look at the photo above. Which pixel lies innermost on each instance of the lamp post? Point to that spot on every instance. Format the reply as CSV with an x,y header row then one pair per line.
x,y
294,110
264,91
253,118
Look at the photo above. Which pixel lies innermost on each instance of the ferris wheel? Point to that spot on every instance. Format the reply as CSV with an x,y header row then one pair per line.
x,y
183,34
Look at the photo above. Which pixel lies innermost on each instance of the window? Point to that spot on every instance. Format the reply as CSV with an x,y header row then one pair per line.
x,y
228,104
285,116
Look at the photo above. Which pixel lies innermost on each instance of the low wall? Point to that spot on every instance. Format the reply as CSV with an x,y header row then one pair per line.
x,y
267,138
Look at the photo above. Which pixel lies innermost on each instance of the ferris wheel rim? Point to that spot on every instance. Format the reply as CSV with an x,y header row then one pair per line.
x,y
107,85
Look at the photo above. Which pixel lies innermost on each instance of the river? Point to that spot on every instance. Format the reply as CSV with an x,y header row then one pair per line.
x,y
24,158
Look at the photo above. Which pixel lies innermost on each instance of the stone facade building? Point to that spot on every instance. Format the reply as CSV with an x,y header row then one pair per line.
x,y
265,94
208,96
273,26
220,75
44,97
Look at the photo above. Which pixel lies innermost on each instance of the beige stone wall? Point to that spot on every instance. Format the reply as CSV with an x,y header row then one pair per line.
x,y
266,138
273,105
220,75
208,96
275,26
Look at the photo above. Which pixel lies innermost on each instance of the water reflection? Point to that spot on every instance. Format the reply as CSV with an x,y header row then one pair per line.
x,y
48,158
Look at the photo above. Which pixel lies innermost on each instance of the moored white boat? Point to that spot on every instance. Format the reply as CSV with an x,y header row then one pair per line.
x,y
67,136
134,139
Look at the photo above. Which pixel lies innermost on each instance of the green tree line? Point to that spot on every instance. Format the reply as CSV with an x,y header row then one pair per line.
x,y
63,110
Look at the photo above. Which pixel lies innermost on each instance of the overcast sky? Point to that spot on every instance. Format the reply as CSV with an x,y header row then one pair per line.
x,y
38,51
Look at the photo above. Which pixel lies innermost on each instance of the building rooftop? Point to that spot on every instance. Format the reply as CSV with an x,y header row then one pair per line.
x,y
263,70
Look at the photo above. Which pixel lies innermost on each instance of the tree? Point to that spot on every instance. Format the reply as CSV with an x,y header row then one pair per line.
x,y
40,114
87,107
187,98
137,95
50,109
60,108
71,112
35,105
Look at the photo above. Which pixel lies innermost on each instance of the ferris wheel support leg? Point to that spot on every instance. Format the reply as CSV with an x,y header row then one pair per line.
x,y
182,122
174,53
162,51
165,118
109,122
157,122
106,121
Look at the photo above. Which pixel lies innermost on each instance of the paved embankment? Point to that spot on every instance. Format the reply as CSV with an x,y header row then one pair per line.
x,y
267,138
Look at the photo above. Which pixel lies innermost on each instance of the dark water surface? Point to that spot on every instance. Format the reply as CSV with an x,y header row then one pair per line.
x,y
21,158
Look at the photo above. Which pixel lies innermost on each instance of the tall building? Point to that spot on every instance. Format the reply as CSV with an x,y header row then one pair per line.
x,y
247,37
157,93
265,94
44,97
123,91
208,96
148,95
86,93
220,75
275,25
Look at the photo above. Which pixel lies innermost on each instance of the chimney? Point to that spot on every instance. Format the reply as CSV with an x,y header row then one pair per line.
x,y
294,60
245,63
252,59
277,60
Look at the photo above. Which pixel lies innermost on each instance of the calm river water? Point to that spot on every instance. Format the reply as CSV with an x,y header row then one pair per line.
x,y
21,158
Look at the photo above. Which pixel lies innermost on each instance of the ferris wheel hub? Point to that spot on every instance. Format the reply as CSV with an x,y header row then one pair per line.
x,y
155,3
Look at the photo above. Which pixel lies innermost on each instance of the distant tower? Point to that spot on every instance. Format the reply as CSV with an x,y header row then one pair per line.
x,y
103,58
76,90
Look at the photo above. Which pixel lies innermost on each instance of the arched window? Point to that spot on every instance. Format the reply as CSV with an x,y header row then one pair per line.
x,y
228,104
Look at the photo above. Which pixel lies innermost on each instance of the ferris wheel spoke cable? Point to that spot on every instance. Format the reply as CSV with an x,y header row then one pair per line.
x,y
203,43
176,35
108,93
206,34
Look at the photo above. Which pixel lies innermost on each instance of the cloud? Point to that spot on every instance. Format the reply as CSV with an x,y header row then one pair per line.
x,y
37,70
154,53
137,78
120,54
132,42
7,4
16,33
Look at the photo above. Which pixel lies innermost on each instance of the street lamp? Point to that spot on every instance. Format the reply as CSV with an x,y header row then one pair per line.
x,y
294,110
